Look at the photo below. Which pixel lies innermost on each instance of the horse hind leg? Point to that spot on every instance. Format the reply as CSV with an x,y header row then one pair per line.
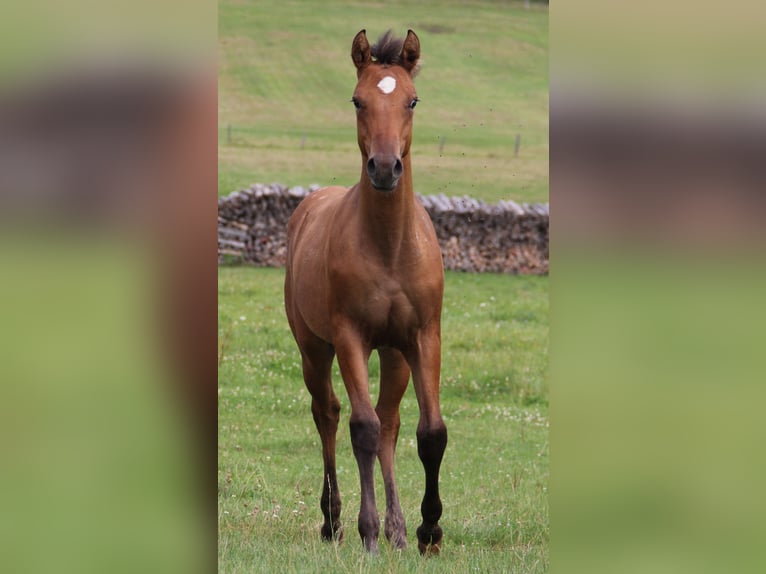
x,y
365,430
325,408
394,377
327,423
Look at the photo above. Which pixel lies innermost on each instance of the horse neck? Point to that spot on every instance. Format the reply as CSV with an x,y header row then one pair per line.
x,y
388,217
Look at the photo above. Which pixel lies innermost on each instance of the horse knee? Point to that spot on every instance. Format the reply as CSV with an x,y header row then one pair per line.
x,y
389,426
432,442
335,409
328,414
365,435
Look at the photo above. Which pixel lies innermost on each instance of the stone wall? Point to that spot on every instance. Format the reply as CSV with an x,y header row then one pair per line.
x,y
503,237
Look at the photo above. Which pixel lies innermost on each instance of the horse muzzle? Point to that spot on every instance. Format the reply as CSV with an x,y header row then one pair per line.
x,y
384,171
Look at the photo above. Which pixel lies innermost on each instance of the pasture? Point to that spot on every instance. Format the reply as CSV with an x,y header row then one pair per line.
x,y
286,79
285,83
494,477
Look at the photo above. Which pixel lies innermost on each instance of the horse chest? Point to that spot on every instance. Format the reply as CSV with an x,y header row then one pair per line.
x,y
386,312
395,312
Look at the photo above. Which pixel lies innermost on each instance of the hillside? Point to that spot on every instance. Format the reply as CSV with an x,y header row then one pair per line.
x,y
286,77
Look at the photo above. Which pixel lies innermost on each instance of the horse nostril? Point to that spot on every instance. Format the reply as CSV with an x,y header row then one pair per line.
x,y
370,166
398,168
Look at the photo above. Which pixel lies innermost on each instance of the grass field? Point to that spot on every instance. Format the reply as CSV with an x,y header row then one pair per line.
x,y
286,78
285,81
494,477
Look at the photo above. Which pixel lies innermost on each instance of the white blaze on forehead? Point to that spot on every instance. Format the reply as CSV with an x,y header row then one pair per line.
x,y
387,85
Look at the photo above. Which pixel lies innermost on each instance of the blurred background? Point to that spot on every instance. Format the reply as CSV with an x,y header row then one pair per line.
x,y
108,293
285,87
658,136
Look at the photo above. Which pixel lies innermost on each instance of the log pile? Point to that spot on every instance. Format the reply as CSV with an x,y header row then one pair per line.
x,y
504,237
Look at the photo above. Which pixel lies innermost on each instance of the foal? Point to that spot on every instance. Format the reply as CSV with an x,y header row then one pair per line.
x,y
364,272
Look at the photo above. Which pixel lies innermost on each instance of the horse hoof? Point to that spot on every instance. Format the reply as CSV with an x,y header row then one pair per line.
x,y
396,534
398,541
430,540
332,534
429,549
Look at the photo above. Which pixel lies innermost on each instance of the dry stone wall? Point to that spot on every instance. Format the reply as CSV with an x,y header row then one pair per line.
x,y
504,237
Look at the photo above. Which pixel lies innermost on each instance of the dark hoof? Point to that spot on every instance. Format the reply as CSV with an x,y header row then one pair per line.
x,y
430,540
429,549
371,546
396,534
332,534
398,541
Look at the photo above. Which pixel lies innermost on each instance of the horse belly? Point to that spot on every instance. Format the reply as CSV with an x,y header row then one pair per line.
x,y
310,296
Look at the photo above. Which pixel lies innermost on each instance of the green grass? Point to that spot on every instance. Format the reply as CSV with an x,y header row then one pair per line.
x,y
286,78
494,400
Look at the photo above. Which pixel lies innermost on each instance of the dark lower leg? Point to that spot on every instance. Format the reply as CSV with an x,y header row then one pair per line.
x,y
326,420
331,529
432,441
395,527
394,378
365,439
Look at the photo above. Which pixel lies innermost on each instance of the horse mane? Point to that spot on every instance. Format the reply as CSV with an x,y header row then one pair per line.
x,y
388,51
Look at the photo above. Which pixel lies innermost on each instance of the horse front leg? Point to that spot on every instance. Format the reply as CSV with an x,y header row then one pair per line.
x,y
365,431
425,362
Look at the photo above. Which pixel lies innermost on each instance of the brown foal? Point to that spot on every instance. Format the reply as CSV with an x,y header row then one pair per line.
x,y
364,272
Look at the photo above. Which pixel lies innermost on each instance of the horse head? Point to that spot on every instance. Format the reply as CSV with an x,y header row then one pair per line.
x,y
385,100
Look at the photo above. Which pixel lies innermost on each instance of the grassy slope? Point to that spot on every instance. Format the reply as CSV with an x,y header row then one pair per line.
x,y
286,74
494,399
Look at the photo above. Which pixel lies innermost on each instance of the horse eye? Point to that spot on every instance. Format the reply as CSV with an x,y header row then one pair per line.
x,y
356,103
413,103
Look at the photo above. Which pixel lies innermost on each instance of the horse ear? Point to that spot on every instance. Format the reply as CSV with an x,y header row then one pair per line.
x,y
360,52
410,53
